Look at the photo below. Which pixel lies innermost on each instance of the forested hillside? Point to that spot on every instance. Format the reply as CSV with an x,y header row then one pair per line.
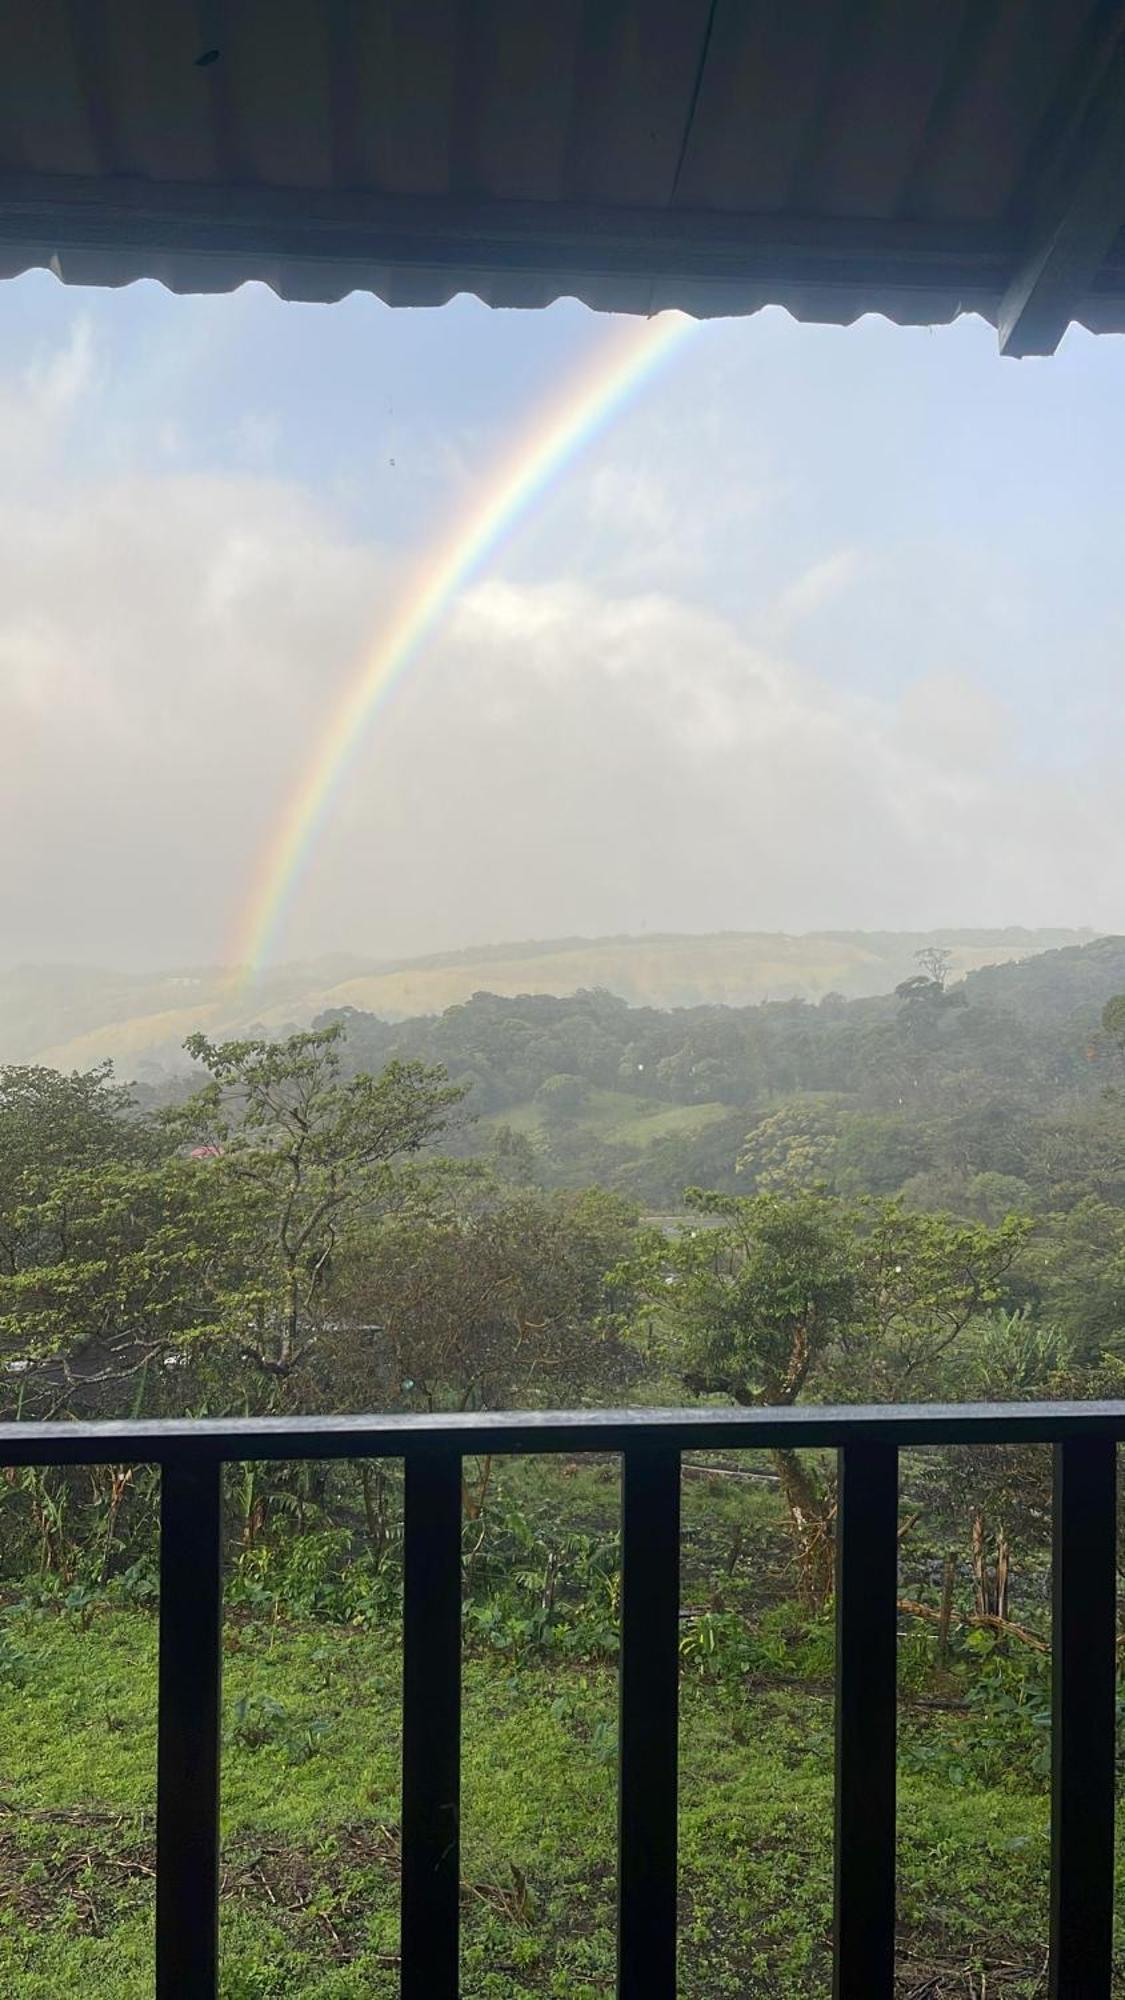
x,y
977,1096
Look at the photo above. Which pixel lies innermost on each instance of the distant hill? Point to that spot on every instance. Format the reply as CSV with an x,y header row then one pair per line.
x,y
71,1016
727,968
1054,987
878,1092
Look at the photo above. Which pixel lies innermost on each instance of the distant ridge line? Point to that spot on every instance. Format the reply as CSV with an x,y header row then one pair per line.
x,y
71,1017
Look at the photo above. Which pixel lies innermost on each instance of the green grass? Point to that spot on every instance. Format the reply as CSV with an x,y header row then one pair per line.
x,y
617,1118
310,1815
672,1121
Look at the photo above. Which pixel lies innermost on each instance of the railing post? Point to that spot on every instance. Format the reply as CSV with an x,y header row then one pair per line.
x,y
866,1648
188,1722
431,1727
649,1703
1083,1719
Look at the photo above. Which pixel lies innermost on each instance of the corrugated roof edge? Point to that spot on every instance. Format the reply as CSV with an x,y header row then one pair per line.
x,y
314,283
422,252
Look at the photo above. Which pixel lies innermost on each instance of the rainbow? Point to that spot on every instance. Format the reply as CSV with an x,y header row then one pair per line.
x,y
619,369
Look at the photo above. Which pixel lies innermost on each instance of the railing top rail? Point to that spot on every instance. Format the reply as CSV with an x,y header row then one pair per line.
x,y
205,1439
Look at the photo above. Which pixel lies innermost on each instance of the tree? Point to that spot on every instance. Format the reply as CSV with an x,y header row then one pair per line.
x,y
935,961
760,1299
926,996
561,1095
1073,1158
1003,1492
877,1152
1113,1023
1080,1266
141,1271
757,1303
923,1280
51,1124
510,1298
784,1295
793,1147
310,1153
512,1156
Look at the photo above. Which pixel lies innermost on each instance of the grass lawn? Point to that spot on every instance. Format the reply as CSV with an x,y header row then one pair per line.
x,y
665,1121
617,1118
310,1811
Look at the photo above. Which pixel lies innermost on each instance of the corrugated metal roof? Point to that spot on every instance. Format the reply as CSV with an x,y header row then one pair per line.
x,y
912,157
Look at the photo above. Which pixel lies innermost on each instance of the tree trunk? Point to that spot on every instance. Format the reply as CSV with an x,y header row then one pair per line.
x,y
979,1602
373,1481
1003,1574
812,1514
991,1572
945,1617
473,1497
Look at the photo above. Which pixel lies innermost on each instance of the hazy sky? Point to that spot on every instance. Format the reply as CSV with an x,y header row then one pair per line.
x,y
827,631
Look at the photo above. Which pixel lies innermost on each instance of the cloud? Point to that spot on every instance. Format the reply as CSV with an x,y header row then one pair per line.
x,y
601,736
573,761
817,586
955,722
40,399
625,499
166,648
58,380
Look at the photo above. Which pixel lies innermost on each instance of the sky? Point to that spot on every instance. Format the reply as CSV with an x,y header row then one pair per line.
x,y
825,630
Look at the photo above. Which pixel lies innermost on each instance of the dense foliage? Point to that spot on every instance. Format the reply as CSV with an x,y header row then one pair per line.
x,y
980,1097
921,1196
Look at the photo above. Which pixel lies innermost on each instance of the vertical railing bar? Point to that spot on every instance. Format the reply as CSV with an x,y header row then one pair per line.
x,y
648,1735
188,1730
431,1729
866,1647
1083,1704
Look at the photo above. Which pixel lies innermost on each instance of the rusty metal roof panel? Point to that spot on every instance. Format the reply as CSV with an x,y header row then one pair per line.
x,y
833,156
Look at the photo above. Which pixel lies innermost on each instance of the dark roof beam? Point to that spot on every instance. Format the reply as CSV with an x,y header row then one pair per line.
x,y
135,219
1077,232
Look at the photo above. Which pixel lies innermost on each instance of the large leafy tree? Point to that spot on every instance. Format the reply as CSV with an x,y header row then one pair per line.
x,y
509,1298
758,1298
793,1147
759,1294
52,1124
311,1153
181,1262
140,1276
1080,1267
774,1298
105,1258
923,1279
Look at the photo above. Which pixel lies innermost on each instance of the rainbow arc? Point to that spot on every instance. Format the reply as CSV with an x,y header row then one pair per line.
x,y
554,439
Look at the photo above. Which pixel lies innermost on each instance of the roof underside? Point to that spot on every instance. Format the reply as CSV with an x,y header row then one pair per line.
x,y
917,158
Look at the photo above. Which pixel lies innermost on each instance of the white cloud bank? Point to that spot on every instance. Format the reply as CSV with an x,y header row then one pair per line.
x,y
568,756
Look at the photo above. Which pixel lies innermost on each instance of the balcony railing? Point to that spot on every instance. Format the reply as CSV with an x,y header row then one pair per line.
x,y
192,1454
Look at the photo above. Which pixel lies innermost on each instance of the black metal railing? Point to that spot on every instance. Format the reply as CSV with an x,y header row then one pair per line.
x,y
192,1454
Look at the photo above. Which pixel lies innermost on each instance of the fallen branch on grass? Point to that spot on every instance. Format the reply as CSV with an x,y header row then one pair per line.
x,y
691,1471
981,1620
